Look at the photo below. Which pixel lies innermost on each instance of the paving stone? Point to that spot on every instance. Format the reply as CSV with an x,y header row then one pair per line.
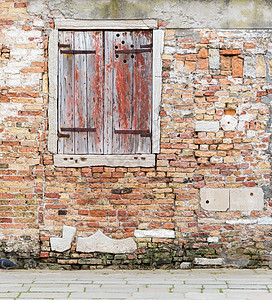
x,y
100,295
44,295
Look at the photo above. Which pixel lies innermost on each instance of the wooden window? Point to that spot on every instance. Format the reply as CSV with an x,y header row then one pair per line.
x,y
105,92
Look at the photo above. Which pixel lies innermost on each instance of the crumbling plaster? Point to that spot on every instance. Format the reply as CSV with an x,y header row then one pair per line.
x,y
177,13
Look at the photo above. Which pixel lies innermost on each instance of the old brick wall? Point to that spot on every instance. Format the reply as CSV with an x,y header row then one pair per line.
x,y
207,75
22,64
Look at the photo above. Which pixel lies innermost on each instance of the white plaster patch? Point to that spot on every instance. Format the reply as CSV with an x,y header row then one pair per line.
x,y
212,239
208,126
99,242
64,243
241,221
228,123
208,261
214,199
9,110
155,233
246,199
265,221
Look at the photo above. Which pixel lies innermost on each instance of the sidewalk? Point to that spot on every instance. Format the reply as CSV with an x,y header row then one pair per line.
x,y
214,284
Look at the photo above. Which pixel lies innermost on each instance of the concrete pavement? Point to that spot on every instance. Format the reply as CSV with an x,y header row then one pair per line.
x,y
159,284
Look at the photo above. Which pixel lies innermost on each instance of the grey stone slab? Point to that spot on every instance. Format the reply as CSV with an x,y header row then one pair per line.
x,y
207,126
100,295
64,243
8,295
4,288
246,199
57,289
44,295
157,233
214,199
156,295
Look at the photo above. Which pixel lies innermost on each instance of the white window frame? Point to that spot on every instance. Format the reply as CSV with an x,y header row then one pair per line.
x,y
113,160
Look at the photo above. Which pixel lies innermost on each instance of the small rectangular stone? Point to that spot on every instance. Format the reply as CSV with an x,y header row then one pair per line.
x,y
207,126
208,261
246,199
157,233
214,59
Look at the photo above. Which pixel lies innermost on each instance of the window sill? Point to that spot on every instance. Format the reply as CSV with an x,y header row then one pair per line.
x,y
115,160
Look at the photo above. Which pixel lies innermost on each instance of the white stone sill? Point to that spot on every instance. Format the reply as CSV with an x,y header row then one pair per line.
x,y
114,160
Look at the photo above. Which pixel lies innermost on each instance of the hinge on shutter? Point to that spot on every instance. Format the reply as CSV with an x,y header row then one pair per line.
x,y
133,51
63,135
64,45
146,46
143,133
77,129
77,51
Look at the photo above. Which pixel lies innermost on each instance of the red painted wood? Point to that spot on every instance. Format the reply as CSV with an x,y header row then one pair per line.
x,y
95,85
132,92
105,90
142,90
108,91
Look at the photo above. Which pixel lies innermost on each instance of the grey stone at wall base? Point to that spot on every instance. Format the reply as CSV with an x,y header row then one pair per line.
x,y
99,242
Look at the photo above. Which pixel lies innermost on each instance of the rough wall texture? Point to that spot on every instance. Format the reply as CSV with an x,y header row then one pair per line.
x,y
215,133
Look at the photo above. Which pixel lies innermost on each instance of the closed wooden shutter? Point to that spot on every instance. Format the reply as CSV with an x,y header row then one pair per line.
x,y
105,96
81,92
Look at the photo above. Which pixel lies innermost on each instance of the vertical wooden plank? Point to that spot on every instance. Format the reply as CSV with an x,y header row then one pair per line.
x,y
66,94
123,109
80,92
95,84
142,91
53,60
158,41
109,37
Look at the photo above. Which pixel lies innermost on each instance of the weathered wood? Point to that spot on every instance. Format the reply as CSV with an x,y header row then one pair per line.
x,y
108,91
66,94
142,91
80,92
122,93
95,84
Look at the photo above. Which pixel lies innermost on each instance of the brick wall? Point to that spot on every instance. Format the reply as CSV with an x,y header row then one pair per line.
x,y
207,75
22,63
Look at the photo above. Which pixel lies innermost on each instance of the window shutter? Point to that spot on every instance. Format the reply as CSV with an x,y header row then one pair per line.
x,y
81,92
105,92
131,55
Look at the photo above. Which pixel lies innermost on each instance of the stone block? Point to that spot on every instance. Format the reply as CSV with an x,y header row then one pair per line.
x,y
228,123
213,239
214,199
207,126
185,265
260,66
214,59
246,199
64,243
155,233
249,66
99,242
208,261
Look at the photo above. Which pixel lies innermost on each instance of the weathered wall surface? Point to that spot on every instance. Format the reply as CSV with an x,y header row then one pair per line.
x,y
209,194
177,13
